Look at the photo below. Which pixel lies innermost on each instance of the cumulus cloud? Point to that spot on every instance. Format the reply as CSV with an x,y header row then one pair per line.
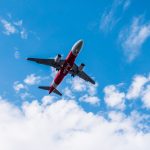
x,y
94,100
89,91
64,125
140,89
54,72
146,97
113,97
133,37
68,93
32,79
79,85
112,15
46,100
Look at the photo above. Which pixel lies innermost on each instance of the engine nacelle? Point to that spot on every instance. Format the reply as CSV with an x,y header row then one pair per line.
x,y
57,58
80,68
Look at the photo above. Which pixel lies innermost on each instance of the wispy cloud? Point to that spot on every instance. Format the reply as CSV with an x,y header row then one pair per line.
x,y
133,37
111,16
14,27
23,33
9,27
137,86
17,54
18,86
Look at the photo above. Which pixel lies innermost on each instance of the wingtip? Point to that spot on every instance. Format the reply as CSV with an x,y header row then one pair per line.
x,y
27,58
93,82
30,59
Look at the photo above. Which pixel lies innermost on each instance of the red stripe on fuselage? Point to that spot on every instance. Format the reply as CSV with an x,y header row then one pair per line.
x,y
68,64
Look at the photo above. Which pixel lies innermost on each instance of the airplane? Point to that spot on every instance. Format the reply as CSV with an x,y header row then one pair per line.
x,y
64,66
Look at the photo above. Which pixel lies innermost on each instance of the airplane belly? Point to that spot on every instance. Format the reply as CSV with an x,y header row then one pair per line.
x,y
59,77
71,58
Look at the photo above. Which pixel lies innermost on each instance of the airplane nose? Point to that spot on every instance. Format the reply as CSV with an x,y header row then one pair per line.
x,y
76,47
79,44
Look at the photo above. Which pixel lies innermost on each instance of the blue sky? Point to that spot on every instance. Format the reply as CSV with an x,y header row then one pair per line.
x,y
116,53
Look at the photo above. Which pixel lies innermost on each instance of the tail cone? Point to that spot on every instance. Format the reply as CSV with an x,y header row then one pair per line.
x,y
51,89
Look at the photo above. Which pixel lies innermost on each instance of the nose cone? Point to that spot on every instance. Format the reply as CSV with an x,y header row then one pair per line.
x,y
77,46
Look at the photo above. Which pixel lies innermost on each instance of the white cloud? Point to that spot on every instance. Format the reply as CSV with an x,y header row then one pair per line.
x,y
126,4
18,23
24,34
17,54
54,72
139,89
93,100
92,89
25,95
46,100
116,116
18,86
137,86
133,37
78,84
89,90
9,28
113,97
146,96
63,125
112,15
14,28
68,93
32,79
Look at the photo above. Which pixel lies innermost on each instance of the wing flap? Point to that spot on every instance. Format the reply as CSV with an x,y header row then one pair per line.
x,y
85,77
49,62
81,74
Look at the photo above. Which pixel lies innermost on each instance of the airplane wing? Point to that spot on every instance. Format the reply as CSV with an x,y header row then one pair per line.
x,y
81,74
49,62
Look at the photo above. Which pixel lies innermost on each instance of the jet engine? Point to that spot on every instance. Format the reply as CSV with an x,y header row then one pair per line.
x,y
80,68
57,58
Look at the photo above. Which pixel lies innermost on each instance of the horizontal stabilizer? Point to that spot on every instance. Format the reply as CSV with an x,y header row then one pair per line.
x,y
57,92
44,87
48,88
